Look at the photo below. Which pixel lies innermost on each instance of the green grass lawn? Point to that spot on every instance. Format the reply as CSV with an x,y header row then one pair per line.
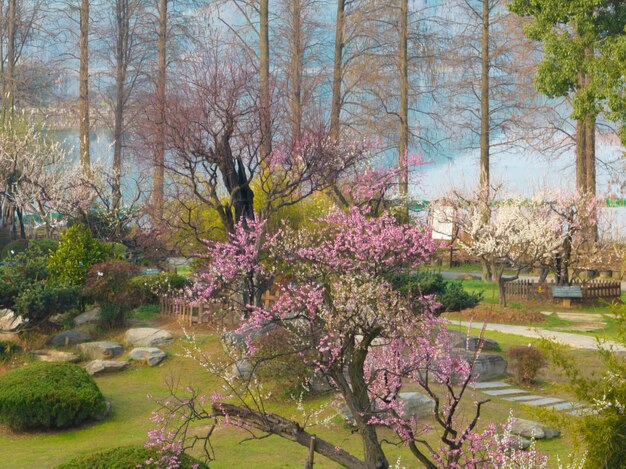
x,y
132,408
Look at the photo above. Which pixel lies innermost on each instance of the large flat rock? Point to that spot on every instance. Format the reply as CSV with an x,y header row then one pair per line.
x,y
532,429
488,367
97,367
69,338
56,356
416,405
90,316
10,321
101,350
149,355
147,337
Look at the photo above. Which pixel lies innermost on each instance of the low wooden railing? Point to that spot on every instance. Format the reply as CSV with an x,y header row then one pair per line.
x,y
592,290
220,313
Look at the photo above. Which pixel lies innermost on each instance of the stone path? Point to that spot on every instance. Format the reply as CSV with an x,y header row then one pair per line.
x,y
566,338
506,392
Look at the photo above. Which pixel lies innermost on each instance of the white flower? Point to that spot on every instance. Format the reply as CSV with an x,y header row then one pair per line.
x,y
100,274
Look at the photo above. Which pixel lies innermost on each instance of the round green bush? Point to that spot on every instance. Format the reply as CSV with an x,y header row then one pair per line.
x,y
14,247
45,396
127,457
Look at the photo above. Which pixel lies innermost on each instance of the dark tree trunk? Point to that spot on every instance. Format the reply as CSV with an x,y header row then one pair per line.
x,y
335,112
159,151
84,84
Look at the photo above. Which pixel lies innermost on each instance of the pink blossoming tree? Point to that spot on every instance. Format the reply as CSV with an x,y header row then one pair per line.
x,y
359,334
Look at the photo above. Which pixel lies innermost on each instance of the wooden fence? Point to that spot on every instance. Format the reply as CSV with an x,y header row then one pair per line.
x,y
221,313
592,290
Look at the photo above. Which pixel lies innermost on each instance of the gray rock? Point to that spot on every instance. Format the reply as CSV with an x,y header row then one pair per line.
x,y
488,367
532,429
101,350
416,405
108,408
96,367
10,321
235,342
90,316
67,338
150,355
147,337
56,356
319,383
517,443
242,369
345,412
472,343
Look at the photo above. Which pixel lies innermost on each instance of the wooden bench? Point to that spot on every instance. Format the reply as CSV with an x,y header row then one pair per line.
x,y
567,294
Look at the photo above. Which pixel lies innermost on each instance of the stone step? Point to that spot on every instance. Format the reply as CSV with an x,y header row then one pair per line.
x,y
504,392
564,406
528,397
544,401
491,384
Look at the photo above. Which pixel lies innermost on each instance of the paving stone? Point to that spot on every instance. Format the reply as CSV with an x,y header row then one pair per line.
x,y
504,392
530,397
544,401
582,411
564,406
491,384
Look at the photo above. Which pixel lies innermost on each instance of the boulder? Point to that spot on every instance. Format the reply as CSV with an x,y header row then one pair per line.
x,y
10,321
532,429
319,383
472,342
97,367
345,413
242,369
147,336
56,356
236,342
101,350
67,338
489,367
150,355
90,316
517,443
416,405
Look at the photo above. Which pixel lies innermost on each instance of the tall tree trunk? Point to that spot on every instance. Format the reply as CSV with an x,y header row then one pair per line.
x,y
403,144
485,123
264,80
590,165
159,151
335,111
122,23
84,84
581,155
8,95
296,73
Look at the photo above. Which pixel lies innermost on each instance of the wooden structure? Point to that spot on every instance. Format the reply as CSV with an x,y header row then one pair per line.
x,y
221,313
584,291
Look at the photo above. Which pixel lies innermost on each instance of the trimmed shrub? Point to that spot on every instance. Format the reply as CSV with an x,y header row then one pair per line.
x,y
529,360
41,300
108,283
151,287
450,294
46,246
127,457
78,250
45,396
13,248
278,360
8,349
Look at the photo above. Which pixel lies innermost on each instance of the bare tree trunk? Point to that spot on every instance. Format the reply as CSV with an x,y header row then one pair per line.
x,y
403,144
335,112
122,25
159,153
485,123
8,95
84,84
264,80
296,73
581,155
